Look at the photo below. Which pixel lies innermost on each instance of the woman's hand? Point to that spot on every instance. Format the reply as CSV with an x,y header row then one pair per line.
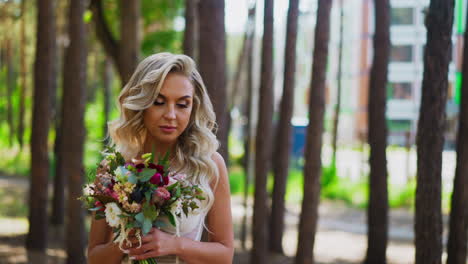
x,y
155,243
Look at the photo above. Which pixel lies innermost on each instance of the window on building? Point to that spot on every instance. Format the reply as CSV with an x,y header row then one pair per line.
x,y
401,53
399,125
400,90
402,16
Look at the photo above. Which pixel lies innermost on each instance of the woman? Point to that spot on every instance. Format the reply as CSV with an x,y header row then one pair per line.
x,y
165,104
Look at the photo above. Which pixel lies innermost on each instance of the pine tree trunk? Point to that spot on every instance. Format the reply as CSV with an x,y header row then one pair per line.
x,y
313,162
43,81
57,218
456,246
284,137
212,63
248,143
336,114
10,86
191,26
129,38
263,141
125,52
74,101
22,96
377,211
107,86
430,137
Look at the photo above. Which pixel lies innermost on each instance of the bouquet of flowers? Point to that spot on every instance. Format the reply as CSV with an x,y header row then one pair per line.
x,y
132,195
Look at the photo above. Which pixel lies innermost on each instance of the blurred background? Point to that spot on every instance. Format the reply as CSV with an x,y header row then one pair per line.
x,y
317,97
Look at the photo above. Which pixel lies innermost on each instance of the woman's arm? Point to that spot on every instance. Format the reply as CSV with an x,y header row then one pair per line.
x,y
219,250
101,249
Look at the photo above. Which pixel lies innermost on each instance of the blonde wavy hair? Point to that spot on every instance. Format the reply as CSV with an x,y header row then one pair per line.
x,y
195,146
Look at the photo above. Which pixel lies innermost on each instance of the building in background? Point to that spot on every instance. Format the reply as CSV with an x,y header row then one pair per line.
x,y
408,36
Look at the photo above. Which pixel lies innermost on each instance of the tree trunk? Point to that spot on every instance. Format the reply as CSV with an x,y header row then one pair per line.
x,y
456,246
107,86
313,147
23,72
10,86
336,115
212,63
129,37
124,53
377,211
235,83
284,136
191,26
263,140
43,81
57,218
248,134
74,100
430,137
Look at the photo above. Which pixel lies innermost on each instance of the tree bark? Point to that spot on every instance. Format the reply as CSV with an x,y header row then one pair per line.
x,y
313,147
22,96
263,140
212,63
129,38
456,245
107,90
43,81
191,26
430,137
74,101
57,218
284,137
124,53
248,145
377,210
235,84
336,114
10,86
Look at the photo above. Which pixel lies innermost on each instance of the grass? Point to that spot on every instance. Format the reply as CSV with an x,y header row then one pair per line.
x,y
13,202
353,193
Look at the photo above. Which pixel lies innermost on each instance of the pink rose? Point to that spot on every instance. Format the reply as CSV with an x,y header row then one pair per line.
x,y
160,195
163,193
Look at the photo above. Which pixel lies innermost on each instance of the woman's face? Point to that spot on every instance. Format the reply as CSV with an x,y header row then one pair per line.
x,y
169,115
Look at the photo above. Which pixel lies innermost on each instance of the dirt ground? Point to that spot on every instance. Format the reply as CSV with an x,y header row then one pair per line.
x,y
340,239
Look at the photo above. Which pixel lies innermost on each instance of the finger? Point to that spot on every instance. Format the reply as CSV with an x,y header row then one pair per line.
x,y
144,239
150,254
141,250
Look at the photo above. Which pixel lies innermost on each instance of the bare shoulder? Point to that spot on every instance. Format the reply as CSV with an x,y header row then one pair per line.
x,y
219,160
222,170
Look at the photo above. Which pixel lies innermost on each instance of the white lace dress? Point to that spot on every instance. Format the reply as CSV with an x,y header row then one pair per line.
x,y
189,227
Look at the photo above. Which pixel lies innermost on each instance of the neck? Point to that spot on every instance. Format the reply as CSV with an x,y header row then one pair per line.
x,y
160,149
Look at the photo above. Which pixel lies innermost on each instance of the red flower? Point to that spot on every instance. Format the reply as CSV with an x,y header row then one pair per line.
x,y
140,167
157,179
98,203
159,168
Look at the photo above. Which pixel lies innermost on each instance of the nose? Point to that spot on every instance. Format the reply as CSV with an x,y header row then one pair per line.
x,y
170,112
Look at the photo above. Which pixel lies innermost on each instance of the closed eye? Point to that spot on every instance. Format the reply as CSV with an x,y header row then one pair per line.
x,y
182,105
158,103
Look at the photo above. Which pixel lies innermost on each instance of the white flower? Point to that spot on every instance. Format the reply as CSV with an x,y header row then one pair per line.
x,y
112,214
176,208
88,189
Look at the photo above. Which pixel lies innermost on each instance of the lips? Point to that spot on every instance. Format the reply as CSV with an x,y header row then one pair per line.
x,y
168,129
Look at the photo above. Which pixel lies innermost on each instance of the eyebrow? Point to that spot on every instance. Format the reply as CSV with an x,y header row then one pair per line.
x,y
183,97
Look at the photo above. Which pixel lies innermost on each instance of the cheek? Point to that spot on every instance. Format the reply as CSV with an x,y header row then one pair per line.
x,y
150,115
185,118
